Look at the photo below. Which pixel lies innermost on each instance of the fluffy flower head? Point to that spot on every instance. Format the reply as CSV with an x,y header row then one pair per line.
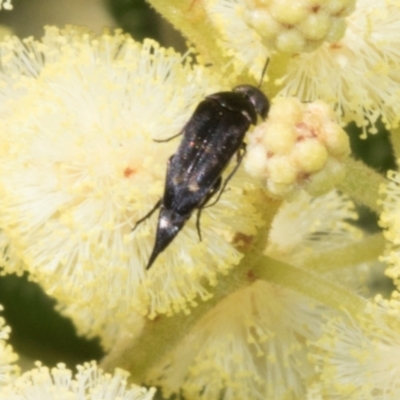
x,y
251,346
89,383
390,221
80,166
359,357
358,73
315,224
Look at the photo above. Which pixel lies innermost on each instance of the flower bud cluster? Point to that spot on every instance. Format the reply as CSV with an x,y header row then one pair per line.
x,y
296,26
299,146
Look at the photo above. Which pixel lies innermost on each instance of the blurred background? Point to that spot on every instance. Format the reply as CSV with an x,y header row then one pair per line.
x,y
38,332
134,16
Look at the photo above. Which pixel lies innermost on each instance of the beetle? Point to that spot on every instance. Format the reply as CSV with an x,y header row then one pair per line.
x,y
212,136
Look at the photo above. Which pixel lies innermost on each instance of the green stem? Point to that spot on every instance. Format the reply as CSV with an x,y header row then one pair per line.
x,y
362,184
366,250
162,334
191,19
310,284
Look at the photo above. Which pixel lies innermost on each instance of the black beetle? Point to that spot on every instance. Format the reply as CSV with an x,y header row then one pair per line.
x,y
213,134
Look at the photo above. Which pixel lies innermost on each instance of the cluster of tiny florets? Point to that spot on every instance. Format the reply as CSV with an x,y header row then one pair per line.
x,y
296,26
300,145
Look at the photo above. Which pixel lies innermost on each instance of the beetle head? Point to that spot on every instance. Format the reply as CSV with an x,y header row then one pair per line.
x,y
256,97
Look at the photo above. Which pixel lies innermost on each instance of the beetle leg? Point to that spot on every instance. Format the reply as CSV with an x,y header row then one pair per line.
x,y
170,138
214,190
149,214
156,206
239,158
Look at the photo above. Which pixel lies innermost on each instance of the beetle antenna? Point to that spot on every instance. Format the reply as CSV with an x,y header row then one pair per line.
x,y
263,73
